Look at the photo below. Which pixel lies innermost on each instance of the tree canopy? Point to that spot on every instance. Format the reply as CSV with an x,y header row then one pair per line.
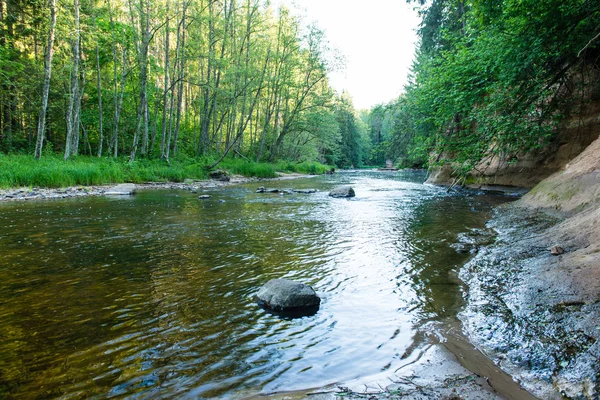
x,y
157,78
491,77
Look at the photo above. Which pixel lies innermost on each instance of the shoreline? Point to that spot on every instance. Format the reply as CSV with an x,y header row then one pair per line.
x,y
35,193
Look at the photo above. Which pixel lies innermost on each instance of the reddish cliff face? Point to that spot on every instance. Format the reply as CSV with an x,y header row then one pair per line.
x,y
576,134
579,130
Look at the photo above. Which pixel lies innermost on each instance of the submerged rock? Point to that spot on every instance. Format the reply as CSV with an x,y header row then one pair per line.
x,y
286,295
125,189
262,189
305,191
342,191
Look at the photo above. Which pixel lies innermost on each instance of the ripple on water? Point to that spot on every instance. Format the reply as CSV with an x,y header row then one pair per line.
x,y
152,296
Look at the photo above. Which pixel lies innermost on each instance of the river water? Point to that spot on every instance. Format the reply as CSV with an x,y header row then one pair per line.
x,y
152,296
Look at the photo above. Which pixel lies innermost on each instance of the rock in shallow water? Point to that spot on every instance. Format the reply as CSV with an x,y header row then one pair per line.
x,y
125,189
286,295
342,191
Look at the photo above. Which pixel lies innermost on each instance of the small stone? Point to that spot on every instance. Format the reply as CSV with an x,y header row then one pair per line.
x,y
342,191
557,250
305,191
204,197
125,189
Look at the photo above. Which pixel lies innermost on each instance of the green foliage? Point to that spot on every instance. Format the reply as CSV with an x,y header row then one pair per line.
x,y
491,77
53,171
350,152
160,80
307,167
249,168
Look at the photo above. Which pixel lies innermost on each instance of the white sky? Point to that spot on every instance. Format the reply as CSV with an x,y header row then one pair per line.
x,y
377,38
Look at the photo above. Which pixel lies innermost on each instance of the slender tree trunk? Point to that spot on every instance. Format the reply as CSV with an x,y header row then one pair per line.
x,y
77,123
143,41
154,125
180,75
204,139
166,88
46,88
72,118
100,129
119,103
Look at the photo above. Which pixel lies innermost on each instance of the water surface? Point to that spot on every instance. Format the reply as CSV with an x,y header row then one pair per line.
x,y
151,296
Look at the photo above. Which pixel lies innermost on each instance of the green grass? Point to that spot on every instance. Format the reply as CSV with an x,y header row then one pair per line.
x,y
53,171
307,167
248,168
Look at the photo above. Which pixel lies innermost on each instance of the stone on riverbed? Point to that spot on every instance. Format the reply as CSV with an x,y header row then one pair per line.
x,y
284,295
305,191
262,189
342,191
125,189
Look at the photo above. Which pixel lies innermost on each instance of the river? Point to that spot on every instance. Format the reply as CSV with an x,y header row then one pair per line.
x,y
152,295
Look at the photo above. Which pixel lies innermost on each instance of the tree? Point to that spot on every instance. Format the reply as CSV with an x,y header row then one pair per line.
x,y
47,75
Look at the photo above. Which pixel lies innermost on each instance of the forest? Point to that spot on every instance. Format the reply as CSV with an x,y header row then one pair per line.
x,y
192,80
195,82
490,78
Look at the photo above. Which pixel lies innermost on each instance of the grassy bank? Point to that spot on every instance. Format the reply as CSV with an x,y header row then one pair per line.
x,y
24,171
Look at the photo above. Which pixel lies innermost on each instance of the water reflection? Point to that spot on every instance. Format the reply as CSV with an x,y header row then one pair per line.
x,y
153,295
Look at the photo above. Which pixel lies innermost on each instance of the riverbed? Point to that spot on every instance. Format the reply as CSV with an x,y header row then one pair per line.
x,y
151,296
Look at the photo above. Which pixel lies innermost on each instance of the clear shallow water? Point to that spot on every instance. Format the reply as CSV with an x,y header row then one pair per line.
x,y
151,296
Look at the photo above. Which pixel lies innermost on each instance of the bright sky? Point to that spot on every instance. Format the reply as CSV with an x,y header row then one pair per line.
x,y
377,38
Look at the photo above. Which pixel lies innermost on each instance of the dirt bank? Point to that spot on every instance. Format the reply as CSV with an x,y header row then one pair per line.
x,y
537,314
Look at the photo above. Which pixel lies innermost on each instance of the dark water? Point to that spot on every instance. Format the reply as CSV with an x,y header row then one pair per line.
x,y
151,296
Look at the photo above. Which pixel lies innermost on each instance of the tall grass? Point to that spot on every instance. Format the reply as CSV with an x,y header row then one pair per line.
x,y
53,171
248,168
307,167
266,170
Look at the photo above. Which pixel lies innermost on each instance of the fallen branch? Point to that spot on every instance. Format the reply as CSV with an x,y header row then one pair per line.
x,y
588,45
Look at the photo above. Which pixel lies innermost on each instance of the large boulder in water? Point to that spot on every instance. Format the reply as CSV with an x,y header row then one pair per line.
x,y
342,191
284,295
